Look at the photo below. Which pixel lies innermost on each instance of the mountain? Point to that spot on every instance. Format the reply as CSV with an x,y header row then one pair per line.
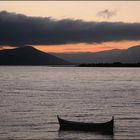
x,y
130,55
28,55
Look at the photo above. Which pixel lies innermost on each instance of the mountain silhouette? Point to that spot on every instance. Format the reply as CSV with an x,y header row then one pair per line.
x,y
28,55
130,55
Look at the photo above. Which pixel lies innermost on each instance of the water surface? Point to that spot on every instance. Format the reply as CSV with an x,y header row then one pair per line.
x,y
31,97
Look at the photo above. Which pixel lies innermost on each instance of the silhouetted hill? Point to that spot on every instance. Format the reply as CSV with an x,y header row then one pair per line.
x,y
29,56
130,55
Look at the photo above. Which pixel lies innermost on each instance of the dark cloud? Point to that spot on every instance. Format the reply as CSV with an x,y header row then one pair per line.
x,y
17,29
106,13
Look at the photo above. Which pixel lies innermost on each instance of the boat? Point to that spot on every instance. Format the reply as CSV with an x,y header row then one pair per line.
x,y
104,128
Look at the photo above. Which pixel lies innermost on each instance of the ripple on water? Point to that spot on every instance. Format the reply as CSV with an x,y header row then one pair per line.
x,y
31,97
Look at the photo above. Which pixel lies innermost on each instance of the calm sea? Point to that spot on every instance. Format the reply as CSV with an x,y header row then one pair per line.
x,y
31,97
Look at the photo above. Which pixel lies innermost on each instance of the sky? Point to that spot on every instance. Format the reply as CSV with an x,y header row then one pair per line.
x,y
82,16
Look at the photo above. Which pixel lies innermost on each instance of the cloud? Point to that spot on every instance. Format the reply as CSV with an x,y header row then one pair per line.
x,y
107,14
18,29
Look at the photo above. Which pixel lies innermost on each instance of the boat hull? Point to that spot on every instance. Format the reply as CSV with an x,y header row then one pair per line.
x,y
104,128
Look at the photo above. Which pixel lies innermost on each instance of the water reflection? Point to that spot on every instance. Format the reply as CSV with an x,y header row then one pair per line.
x,y
83,135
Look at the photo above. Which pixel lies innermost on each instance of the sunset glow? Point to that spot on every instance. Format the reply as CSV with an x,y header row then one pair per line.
x,y
87,47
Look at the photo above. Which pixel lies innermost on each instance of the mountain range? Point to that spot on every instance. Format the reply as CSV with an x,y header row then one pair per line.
x,y
130,55
28,55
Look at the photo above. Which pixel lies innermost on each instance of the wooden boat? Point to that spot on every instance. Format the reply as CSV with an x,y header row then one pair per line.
x,y
104,128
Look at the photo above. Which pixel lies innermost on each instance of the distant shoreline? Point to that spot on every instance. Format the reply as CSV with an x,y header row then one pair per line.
x,y
42,65
118,64
121,65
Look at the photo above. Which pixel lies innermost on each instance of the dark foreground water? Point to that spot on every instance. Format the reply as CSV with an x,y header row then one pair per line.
x,y
31,97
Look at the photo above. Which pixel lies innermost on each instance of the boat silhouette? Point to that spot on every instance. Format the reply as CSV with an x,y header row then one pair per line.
x,y
104,128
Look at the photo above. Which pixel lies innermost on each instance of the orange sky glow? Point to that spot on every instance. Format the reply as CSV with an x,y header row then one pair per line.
x,y
87,47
